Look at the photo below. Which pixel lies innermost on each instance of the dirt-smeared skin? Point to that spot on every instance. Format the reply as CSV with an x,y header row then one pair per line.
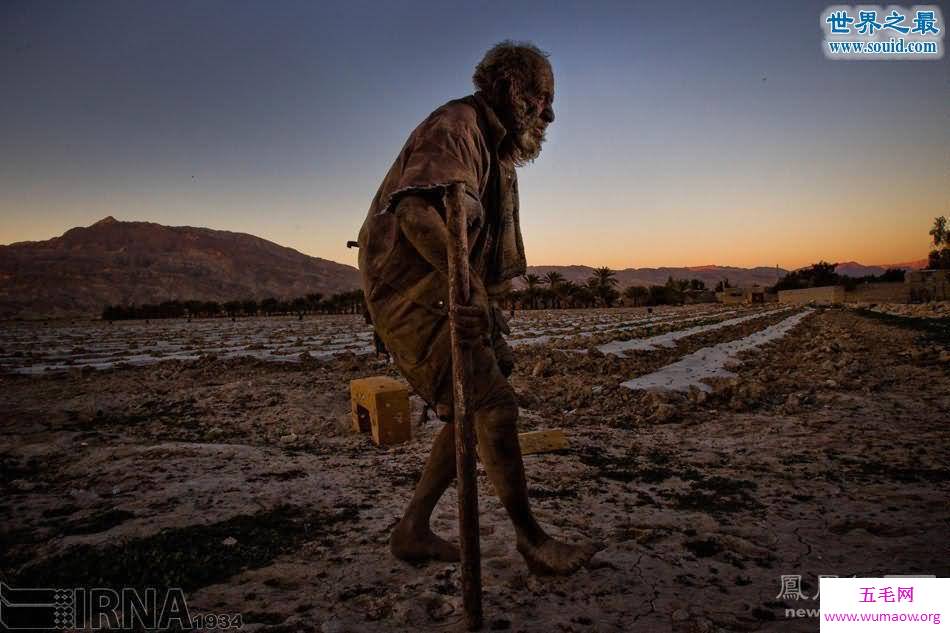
x,y
551,557
418,545
702,505
412,539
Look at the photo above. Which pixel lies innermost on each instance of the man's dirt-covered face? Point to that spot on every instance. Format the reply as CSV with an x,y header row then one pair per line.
x,y
531,113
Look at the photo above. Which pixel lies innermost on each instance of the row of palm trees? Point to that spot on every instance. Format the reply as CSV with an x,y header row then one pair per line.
x,y
552,290
350,302
558,292
549,291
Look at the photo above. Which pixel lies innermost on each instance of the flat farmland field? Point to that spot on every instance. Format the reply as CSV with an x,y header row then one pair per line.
x,y
713,449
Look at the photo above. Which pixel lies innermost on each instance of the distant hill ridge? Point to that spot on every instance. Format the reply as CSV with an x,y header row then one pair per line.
x,y
120,262
711,274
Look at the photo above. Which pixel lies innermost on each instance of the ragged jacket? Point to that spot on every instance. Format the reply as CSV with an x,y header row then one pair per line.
x,y
458,142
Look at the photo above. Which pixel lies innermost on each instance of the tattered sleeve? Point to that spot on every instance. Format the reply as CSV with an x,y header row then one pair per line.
x,y
447,148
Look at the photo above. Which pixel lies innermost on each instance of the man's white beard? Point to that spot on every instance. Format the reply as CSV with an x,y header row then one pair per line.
x,y
527,145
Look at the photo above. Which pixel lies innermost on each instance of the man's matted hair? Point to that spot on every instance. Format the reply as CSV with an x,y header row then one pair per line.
x,y
520,63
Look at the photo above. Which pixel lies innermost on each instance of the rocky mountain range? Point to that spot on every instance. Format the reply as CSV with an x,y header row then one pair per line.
x,y
854,269
118,262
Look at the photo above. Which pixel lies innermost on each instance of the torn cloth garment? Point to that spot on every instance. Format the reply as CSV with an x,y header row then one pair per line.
x,y
458,142
406,297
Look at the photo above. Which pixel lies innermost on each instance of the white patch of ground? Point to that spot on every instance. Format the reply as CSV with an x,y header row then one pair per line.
x,y
618,327
930,310
710,362
669,339
37,348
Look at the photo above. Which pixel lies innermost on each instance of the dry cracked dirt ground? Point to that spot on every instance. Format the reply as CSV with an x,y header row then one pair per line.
x,y
239,481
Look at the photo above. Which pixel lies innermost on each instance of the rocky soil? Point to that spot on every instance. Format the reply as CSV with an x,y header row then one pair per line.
x,y
239,480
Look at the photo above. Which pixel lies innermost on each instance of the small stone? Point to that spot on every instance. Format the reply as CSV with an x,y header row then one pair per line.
x,y
792,404
332,626
754,390
229,541
22,485
540,369
290,438
665,412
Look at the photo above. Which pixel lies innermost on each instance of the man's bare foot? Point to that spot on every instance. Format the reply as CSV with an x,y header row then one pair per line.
x,y
553,557
415,545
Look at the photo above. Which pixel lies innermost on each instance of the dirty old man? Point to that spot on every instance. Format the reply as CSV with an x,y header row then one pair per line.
x,y
478,141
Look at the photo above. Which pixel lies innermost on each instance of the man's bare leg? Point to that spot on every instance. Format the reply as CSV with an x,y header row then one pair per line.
x,y
500,453
412,538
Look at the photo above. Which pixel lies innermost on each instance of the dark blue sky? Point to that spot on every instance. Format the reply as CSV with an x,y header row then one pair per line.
x,y
686,134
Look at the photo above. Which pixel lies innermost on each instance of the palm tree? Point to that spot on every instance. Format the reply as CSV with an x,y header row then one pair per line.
x,y
193,308
359,301
554,279
513,298
313,301
299,305
583,295
939,232
269,305
609,295
231,308
564,292
605,276
531,292
939,258
636,294
602,283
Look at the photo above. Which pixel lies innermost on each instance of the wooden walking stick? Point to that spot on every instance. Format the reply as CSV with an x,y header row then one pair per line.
x,y
464,432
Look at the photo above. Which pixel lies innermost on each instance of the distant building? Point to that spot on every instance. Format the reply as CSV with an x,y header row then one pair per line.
x,y
878,292
751,294
699,296
731,295
824,295
928,285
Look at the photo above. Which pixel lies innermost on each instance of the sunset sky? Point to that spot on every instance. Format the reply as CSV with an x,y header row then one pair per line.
x,y
686,133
